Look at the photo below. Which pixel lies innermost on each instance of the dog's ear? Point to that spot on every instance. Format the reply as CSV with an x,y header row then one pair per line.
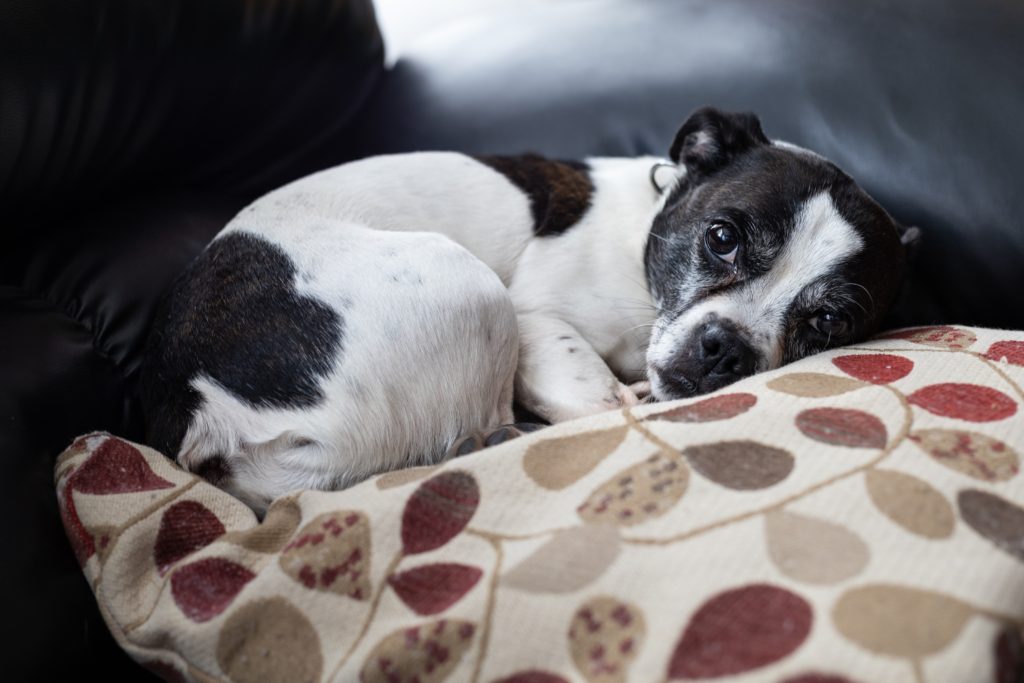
x,y
711,138
910,238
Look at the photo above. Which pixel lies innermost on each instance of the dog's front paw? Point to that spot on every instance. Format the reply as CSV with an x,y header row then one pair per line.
x,y
623,397
477,441
642,390
630,395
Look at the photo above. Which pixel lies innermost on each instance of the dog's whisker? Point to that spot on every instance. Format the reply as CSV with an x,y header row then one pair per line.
x,y
871,299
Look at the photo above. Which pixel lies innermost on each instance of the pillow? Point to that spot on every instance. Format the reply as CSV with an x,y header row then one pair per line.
x,y
856,516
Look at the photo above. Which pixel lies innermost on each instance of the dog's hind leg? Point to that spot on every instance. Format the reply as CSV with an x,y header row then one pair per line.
x,y
424,347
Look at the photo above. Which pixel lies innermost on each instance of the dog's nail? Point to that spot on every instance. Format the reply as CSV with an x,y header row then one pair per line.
x,y
499,436
467,445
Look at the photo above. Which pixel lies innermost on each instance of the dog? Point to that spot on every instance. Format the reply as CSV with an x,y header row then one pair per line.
x,y
362,318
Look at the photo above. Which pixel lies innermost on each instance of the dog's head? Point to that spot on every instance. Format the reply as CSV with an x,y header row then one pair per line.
x,y
762,254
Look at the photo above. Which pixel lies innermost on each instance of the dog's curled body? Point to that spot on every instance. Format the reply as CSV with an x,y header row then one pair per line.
x,y
359,320
364,317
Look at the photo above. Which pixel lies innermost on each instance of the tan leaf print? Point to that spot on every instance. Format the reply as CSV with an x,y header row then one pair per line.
x,y
814,384
942,336
427,653
604,638
970,453
390,480
568,561
813,550
273,532
269,640
900,621
638,493
104,537
556,463
331,554
911,502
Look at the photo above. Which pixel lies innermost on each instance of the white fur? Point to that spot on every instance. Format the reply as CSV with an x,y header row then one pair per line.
x,y
796,149
448,301
430,335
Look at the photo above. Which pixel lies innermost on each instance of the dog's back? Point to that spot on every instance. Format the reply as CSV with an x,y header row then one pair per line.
x,y
307,347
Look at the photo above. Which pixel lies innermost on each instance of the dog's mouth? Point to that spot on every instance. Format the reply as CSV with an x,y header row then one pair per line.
x,y
666,386
691,375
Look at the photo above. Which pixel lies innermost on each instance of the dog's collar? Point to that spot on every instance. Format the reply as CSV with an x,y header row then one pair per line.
x,y
653,173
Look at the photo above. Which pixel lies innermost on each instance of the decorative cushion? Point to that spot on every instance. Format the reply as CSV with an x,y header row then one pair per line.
x,y
856,516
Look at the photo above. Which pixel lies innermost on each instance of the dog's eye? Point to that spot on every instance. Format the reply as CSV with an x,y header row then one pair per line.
x,y
830,323
723,239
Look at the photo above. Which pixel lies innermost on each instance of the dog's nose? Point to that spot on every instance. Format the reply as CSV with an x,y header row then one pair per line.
x,y
723,352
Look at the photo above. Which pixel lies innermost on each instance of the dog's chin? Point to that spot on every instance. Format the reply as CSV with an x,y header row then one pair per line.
x,y
666,387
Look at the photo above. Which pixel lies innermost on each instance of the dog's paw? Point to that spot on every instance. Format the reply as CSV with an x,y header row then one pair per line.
x,y
479,440
624,397
630,395
642,390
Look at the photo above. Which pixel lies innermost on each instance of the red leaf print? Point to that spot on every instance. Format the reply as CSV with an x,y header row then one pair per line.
x,y
81,540
715,408
165,671
1012,351
205,588
842,427
116,467
185,527
331,553
970,402
433,588
740,630
877,368
438,510
427,653
1009,655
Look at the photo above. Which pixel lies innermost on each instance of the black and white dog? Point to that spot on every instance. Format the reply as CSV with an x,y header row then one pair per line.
x,y
361,319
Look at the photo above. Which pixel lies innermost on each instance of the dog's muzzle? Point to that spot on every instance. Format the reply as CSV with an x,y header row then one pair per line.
x,y
716,354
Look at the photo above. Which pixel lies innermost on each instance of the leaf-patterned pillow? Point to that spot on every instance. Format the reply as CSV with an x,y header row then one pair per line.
x,y
855,517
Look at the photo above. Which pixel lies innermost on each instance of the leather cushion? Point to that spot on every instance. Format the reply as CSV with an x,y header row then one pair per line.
x,y
919,100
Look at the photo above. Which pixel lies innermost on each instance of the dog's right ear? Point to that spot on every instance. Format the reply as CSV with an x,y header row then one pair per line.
x,y
711,138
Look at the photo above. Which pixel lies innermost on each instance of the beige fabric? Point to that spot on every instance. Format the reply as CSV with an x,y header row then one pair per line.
x,y
857,516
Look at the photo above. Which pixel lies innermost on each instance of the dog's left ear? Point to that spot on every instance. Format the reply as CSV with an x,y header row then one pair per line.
x,y
711,138
910,238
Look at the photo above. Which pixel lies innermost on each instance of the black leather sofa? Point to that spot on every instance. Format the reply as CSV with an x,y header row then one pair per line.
x,y
131,130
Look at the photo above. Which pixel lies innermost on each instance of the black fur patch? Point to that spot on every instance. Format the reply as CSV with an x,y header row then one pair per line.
x,y
234,316
559,190
710,138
